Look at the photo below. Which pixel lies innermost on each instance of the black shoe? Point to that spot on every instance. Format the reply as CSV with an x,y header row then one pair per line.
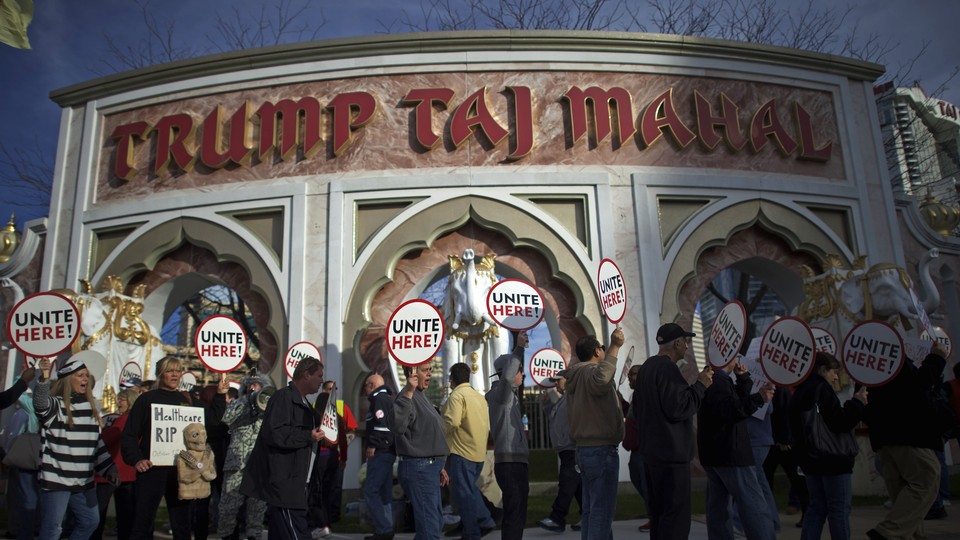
x,y
379,536
455,532
486,530
872,534
936,513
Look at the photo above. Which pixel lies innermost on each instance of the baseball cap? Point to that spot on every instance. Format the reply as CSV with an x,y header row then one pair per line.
x,y
670,332
560,374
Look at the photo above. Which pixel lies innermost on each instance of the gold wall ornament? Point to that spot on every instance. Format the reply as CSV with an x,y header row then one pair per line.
x,y
941,218
474,367
9,239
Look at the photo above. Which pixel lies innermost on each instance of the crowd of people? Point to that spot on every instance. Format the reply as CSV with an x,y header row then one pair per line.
x,y
261,455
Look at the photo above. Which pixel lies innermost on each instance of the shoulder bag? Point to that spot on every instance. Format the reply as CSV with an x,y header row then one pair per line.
x,y
24,452
822,442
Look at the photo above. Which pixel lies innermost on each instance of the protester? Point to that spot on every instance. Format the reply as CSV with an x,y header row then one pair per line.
x,y
781,453
326,491
381,454
725,453
243,417
422,451
155,482
665,406
279,468
466,424
24,492
554,404
510,446
760,429
904,434
631,443
121,494
828,477
10,396
72,448
596,427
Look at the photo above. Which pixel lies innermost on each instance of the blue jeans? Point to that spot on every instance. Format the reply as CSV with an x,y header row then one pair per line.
x,y
463,487
378,491
759,456
82,504
599,474
829,501
26,504
420,479
739,483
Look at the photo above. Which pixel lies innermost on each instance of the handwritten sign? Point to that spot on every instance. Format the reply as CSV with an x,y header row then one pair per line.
x,y
187,381
515,304
167,423
221,343
786,352
43,324
941,337
544,364
613,291
921,313
131,375
296,353
414,332
824,341
727,334
872,353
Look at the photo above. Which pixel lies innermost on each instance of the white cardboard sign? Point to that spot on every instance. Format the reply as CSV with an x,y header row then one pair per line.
x,y
221,343
187,381
942,338
544,364
824,340
613,291
872,353
515,304
130,371
167,423
297,352
787,352
414,332
727,334
43,324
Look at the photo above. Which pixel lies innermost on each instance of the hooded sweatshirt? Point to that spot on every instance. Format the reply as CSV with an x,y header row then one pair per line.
x,y
506,422
594,412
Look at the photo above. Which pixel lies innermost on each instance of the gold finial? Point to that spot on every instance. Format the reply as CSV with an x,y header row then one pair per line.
x,y
9,239
941,218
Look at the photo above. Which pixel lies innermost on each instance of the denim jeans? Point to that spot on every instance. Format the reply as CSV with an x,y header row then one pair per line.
x,y
829,501
420,478
599,474
740,484
83,506
26,503
463,487
378,491
759,456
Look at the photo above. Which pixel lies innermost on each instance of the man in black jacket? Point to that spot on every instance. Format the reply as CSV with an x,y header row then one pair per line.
x,y
727,456
279,467
381,453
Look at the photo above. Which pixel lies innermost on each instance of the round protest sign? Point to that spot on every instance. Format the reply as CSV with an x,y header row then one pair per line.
x,y
414,332
872,353
131,375
515,304
221,343
613,291
298,352
727,334
941,337
43,324
544,364
823,340
187,381
786,352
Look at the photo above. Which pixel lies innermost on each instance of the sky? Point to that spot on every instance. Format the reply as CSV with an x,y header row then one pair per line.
x,y
69,45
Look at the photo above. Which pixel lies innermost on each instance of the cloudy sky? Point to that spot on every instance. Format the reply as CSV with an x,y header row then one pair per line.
x,y
70,38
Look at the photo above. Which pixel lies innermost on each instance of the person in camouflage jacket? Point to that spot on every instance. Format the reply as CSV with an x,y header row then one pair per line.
x,y
244,417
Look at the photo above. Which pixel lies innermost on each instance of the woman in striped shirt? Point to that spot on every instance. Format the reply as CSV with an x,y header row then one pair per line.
x,y
71,448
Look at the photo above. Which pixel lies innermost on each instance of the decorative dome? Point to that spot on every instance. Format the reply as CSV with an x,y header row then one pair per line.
x,y
9,240
941,218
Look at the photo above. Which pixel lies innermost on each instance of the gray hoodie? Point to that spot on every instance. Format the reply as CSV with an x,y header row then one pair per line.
x,y
506,422
418,427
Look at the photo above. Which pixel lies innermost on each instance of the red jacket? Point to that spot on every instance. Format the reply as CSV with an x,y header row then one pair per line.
x,y
111,439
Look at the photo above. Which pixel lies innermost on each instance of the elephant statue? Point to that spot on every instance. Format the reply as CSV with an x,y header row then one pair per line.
x,y
472,335
111,324
839,299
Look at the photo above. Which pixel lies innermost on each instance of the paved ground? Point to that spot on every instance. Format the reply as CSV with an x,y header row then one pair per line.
x,y
862,519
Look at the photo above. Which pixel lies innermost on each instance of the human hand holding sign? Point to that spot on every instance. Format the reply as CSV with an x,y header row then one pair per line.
x,y
413,381
44,366
861,395
706,376
316,435
522,340
739,368
766,392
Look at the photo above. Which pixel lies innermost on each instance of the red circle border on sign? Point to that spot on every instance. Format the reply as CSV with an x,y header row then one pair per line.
x,y
566,364
903,354
246,343
624,289
443,332
320,358
813,361
543,310
34,295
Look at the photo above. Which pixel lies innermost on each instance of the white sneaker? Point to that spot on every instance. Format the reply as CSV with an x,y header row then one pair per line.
x,y
946,502
320,532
